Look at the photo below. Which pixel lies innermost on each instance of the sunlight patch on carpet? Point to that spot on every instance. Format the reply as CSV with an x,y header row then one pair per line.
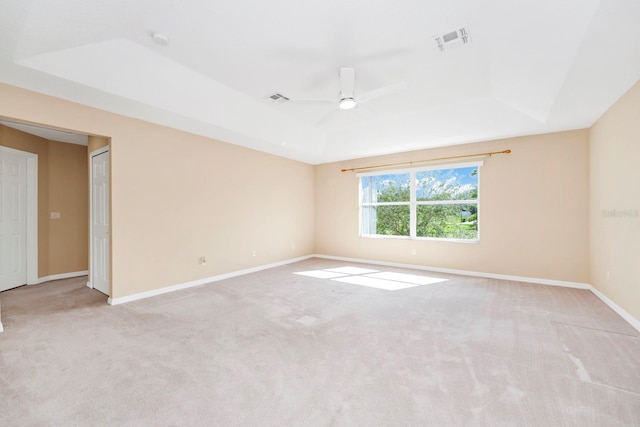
x,y
371,282
386,280
321,274
352,270
407,278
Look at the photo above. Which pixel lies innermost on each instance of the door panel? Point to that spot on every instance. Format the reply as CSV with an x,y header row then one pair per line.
x,y
13,220
100,222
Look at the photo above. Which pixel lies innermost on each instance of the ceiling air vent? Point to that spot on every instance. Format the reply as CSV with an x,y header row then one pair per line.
x,y
453,39
278,98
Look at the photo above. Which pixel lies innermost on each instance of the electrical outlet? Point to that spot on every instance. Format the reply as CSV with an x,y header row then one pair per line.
x,y
55,215
203,260
253,253
413,252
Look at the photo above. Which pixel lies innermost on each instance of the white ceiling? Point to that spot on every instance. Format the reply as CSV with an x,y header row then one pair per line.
x,y
532,67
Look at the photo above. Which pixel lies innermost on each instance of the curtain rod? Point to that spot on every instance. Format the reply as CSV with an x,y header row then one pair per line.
x,y
490,153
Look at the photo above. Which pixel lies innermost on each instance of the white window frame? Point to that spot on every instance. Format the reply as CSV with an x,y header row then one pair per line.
x,y
413,202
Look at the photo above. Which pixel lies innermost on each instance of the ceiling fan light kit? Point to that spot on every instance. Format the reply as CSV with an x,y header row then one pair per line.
x,y
347,103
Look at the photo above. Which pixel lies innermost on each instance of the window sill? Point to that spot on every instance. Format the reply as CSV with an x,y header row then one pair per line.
x,y
430,239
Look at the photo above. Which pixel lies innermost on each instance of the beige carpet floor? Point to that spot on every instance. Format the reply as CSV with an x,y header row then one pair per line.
x,y
324,348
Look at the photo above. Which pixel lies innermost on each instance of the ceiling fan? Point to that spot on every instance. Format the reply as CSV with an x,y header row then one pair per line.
x,y
347,99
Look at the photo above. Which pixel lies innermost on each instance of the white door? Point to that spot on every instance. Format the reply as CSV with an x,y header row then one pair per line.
x,y
100,221
13,220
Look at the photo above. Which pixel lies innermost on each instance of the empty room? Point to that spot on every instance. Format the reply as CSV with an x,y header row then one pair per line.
x,y
331,213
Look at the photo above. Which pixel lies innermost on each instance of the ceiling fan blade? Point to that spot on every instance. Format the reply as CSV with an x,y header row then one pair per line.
x,y
367,113
326,119
385,54
380,92
347,82
312,101
342,119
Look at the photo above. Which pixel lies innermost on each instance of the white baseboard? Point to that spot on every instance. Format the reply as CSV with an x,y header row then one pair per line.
x,y
60,276
173,288
549,282
615,307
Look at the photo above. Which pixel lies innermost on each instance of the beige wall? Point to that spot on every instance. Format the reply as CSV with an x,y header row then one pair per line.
x,y
533,211
62,187
68,194
96,142
615,186
176,197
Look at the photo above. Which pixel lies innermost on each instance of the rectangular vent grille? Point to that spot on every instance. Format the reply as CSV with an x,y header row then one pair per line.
x,y
453,39
278,98
449,37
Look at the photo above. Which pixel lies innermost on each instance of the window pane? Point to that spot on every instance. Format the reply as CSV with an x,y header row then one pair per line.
x,y
386,220
447,221
447,184
385,188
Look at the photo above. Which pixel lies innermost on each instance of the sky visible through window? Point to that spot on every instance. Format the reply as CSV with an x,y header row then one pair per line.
x,y
458,176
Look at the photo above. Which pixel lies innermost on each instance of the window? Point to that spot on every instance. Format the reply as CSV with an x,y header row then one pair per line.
x,y
434,203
